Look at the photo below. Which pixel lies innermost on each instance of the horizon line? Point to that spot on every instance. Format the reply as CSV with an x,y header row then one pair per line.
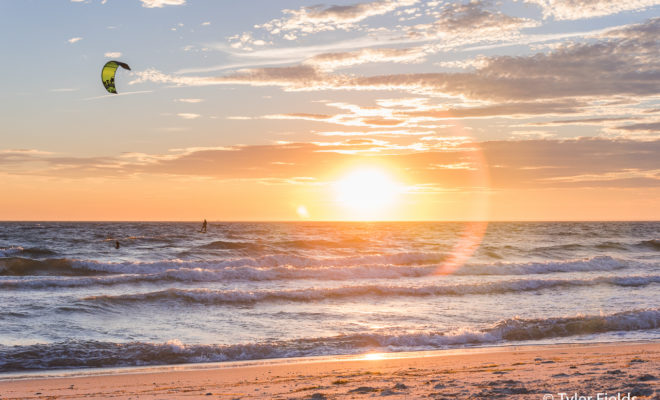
x,y
342,221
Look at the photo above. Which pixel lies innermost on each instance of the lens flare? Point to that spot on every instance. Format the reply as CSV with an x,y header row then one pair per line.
x,y
477,187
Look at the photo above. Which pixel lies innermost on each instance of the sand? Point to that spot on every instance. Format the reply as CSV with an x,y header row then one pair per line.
x,y
526,372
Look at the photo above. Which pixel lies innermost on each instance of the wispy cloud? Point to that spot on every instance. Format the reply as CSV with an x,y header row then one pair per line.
x,y
74,40
623,63
332,61
461,23
25,152
314,19
647,127
579,9
188,115
161,3
455,25
113,54
581,121
189,100
452,160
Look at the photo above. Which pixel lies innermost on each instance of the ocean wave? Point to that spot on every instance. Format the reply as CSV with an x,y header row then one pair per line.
x,y
280,246
19,266
560,247
96,354
612,246
278,267
228,245
24,266
323,243
140,238
653,244
598,263
228,274
26,252
606,245
10,251
233,296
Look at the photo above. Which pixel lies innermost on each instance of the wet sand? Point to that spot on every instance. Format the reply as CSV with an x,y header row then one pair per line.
x,y
526,372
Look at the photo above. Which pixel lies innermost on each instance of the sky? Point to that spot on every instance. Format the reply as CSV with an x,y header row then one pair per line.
x,y
347,110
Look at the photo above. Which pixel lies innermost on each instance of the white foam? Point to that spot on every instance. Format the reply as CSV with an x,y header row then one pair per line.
x,y
106,354
381,263
10,251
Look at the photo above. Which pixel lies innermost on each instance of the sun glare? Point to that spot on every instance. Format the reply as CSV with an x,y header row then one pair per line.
x,y
367,192
374,356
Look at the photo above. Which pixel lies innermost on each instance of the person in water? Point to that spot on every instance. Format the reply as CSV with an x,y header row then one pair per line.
x,y
116,244
203,230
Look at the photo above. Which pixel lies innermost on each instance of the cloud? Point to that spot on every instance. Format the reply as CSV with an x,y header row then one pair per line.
x,y
332,61
24,152
553,162
409,117
650,127
456,25
354,116
579,9
521,164
189,100
460,23
626,174
295,77
516,109
623,63
113,54
314,19
161,3
74,39
245,41
188,115
582,121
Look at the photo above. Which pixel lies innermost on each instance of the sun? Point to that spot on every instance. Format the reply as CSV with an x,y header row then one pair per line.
x,y
367,192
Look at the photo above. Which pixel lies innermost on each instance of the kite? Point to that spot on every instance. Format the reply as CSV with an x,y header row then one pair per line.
x,y
108,74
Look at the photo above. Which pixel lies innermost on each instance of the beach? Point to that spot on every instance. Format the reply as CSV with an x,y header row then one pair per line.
x,y
521,372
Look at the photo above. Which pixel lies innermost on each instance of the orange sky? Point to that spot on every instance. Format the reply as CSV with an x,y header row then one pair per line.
x,y
455,182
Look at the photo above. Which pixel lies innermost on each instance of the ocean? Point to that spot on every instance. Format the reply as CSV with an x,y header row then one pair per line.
x,y
247,291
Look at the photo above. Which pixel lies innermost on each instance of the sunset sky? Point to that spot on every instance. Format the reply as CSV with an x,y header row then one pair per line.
x,y
283,110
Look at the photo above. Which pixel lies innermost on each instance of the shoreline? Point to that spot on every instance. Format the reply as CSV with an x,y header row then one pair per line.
x,y
524,369
128,370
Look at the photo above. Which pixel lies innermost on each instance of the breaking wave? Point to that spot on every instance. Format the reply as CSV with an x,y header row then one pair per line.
x,y
96,354
228,297
26,252
283,267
